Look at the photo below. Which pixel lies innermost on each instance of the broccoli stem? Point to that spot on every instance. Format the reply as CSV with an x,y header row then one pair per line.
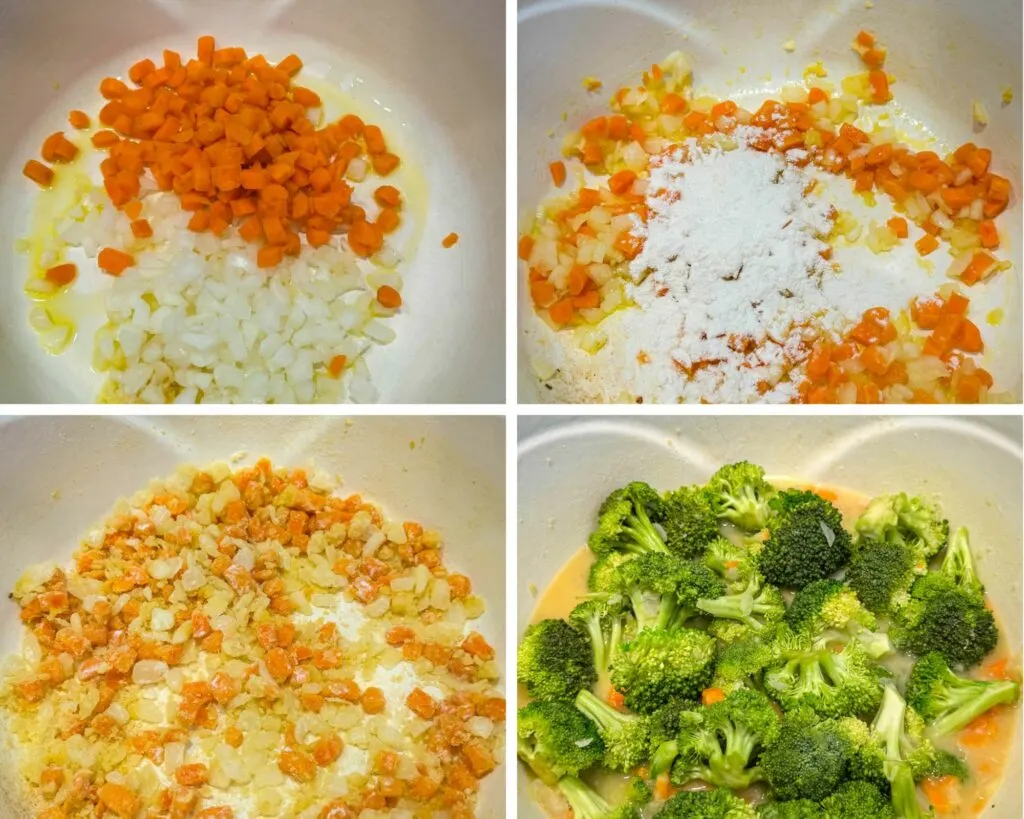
x,y
607,718
731,607
597,642
662,760
904,793
888,725
644,536
585,802
527,753
970,699
958,562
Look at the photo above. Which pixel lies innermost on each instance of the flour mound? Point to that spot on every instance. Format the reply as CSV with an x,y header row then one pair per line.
x,y
730,279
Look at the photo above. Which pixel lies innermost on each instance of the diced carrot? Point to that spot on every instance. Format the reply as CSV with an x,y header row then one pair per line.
x,y
926,244
62,274
113,261
450,240
712,695
561,312
557,170
38,173
937,790
968,338
898,226
988,234
622,181
337,365
141,229
269,256
79,120
616,699
388,297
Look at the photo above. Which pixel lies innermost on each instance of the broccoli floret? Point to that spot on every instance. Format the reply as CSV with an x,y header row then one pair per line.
x,y
792,809
732,563
638,792
913,522
830,683
720,744
664,726
555,661
740,495
809,760
605,575
659,666
626,736
882,573
947,764
857,800
743,614
556,740
603,620
664,589
948,702
741,663
625,521
899,749
588,804
806,540
947,612
716,804
828,610
689,521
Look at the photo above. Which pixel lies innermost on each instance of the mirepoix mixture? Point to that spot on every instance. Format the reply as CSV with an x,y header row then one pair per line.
x,y
752,648
235,644
811,247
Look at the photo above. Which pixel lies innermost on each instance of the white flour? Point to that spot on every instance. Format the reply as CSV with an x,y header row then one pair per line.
x,y
734,269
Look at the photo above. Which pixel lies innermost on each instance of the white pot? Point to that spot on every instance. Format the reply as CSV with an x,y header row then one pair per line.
x,y
432,74
568,466
944,54
59,476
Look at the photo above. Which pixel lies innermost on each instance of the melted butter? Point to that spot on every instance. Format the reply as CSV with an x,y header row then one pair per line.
x,y
995,317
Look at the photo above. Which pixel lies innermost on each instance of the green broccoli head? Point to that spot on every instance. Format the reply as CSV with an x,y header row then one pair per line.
x,y
664,589
947,617
882,573
913,522
659,666
809,760
734,564
626,736
720,744
949,702
625,521
588,804
689,521
638,792
806,540
716,804
857,800
830,683
742,614
605,575
555,740
554,661
741,663
826,609
740,495
791,809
